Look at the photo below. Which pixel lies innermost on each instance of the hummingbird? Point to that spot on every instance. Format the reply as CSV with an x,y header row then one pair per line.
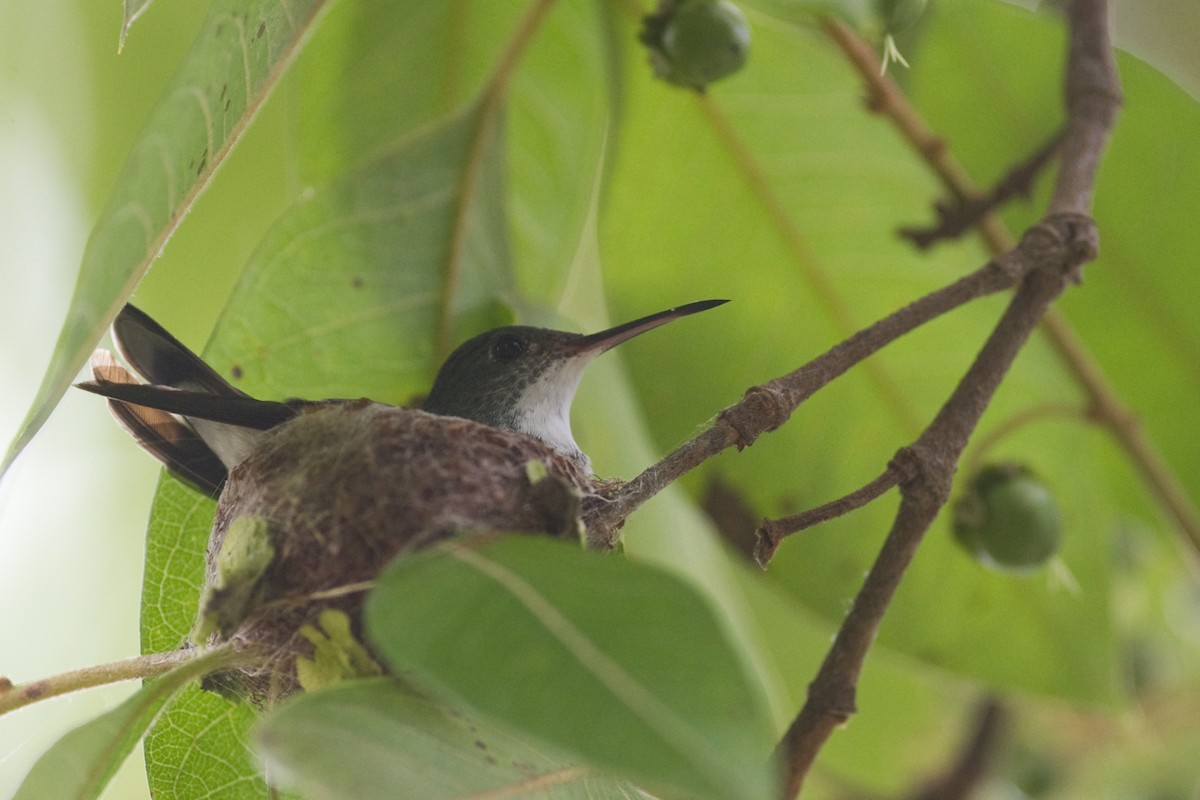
x,y
518,378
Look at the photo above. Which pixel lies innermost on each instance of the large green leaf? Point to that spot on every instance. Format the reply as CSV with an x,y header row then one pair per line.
x,y
391,68
563,119
235,62
621,663
377,740
379,240
80,764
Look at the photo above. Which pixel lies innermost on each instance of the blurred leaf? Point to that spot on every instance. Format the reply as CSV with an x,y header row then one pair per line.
x,y
637,658
80,764
1164,39
235,62
376,739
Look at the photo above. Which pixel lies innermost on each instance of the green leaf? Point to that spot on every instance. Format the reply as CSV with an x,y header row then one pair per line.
x,y
378,739
80,764
237,59
176,542
200,748
561,134
623,664
392,68
392,253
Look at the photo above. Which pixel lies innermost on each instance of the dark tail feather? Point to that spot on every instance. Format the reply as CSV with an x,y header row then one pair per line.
x,y
241,410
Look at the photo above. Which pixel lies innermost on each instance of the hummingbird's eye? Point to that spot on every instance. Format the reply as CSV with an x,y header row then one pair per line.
x,y
508,347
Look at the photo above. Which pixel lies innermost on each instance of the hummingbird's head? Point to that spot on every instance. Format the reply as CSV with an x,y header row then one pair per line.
x,y
524,379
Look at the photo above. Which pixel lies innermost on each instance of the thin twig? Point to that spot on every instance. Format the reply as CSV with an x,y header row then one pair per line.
x,y
772,532
886,98
1058,246
17,696
536,784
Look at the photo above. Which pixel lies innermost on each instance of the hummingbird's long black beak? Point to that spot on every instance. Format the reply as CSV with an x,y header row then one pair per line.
x,y
597,343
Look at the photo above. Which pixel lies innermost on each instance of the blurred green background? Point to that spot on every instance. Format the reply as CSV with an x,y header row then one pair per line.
x,y
622,196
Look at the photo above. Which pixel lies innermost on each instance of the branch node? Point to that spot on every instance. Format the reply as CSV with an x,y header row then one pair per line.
x,y
1063,242
906,465
926,471
768,536
875,101
764,408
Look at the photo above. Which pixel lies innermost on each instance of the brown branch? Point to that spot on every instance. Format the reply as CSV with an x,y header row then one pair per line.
x,y
885,97
14,696
772,532
764,408
1058,246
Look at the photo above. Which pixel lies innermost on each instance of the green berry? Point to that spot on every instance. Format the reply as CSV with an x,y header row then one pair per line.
x,y
1008,519
701,41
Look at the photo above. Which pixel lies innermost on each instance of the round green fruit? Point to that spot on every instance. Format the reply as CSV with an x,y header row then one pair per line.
x,y
1008,519
704,41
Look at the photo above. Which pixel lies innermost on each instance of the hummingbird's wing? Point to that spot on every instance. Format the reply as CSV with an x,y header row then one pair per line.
x,y
161,359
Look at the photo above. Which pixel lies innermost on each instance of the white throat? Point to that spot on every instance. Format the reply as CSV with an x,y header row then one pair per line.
x,y
545,409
